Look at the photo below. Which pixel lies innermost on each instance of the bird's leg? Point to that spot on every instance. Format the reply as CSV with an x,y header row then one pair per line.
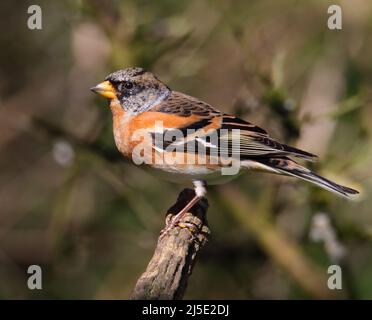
x,y
200,192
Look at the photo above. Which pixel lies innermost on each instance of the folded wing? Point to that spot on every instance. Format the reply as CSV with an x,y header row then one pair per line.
x,y
218,132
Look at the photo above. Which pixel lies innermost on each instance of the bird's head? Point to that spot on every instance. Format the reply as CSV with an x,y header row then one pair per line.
x,y
136,89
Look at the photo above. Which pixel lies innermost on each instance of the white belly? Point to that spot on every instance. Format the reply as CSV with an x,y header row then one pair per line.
x,y
187,174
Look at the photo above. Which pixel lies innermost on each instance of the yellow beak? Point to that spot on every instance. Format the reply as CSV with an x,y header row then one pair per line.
x,y
105,89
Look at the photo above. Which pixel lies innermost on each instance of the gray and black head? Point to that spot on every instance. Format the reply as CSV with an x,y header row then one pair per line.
x,y
136,89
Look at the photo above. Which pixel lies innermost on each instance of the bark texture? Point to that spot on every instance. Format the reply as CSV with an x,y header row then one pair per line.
x,y
169,269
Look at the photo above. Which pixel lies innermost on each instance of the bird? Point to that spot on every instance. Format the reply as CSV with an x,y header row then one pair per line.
x,y
185,140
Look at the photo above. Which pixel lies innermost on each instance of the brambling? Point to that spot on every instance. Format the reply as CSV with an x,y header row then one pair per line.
x,y
185,139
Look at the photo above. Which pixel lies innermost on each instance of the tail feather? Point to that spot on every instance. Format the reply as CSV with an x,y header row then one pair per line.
x,y
289,167
298,153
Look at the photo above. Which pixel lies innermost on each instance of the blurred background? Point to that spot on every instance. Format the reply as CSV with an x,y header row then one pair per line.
x,y
71,205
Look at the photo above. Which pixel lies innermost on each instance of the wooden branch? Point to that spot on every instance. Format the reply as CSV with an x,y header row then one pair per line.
x,y
167,274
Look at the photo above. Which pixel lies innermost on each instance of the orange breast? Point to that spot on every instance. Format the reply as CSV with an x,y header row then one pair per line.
x,y
131,130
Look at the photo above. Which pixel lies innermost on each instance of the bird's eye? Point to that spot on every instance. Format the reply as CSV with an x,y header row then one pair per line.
x,y
128,85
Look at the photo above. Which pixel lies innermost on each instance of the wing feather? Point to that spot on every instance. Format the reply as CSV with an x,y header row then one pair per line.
x,y
252,141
